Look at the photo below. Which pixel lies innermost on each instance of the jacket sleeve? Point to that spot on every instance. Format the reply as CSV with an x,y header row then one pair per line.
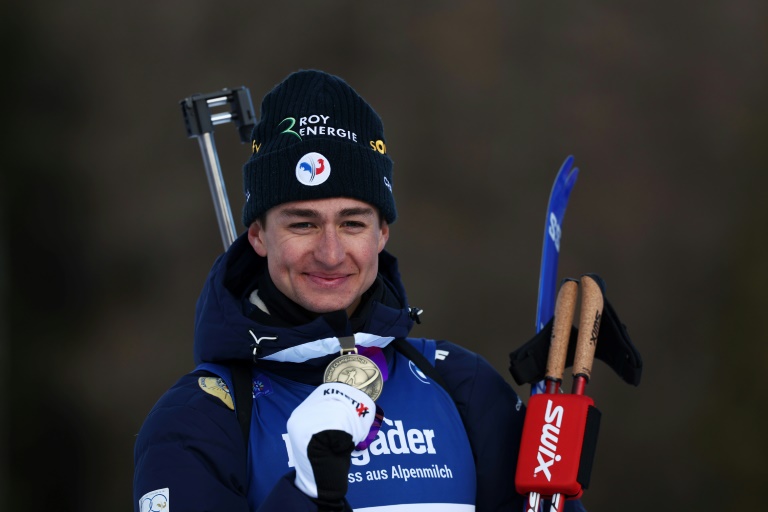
x,y
191,445
493,416
190,451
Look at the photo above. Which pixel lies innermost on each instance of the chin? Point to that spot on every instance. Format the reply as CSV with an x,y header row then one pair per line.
x,y
325,307
329,309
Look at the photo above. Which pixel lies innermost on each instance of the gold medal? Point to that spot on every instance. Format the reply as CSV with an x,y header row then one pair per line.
x,y
356,370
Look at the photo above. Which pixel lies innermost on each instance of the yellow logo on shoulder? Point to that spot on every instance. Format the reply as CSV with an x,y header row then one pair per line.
x,y
215,386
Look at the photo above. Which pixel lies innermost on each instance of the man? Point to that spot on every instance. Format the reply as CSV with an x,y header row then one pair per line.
x,y
313,306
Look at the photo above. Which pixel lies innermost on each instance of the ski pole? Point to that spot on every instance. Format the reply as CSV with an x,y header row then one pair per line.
x,y
565,308
200,119
589,326
560,431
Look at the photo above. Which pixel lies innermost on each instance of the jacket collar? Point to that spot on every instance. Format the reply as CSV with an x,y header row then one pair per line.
x,y
226,330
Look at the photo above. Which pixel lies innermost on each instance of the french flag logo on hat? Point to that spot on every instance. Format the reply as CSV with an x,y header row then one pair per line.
x,y
313,169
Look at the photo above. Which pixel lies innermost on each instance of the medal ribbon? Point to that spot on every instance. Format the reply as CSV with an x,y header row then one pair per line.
x,y
376,355
373,432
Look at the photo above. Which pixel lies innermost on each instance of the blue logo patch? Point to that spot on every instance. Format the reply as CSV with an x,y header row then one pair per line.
x,y
418,373
261,386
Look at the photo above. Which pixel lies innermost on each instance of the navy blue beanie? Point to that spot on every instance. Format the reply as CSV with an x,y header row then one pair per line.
x,y
317,138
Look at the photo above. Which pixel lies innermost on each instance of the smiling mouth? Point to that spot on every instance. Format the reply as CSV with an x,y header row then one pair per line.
x,y
326,279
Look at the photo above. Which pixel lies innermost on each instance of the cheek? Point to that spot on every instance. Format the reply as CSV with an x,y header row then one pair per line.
x,y
370,257
287,255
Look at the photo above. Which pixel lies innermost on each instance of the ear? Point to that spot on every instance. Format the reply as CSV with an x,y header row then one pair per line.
x,y
384,235
256,238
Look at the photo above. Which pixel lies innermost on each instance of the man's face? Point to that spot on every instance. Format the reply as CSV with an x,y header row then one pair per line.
x,y
322,254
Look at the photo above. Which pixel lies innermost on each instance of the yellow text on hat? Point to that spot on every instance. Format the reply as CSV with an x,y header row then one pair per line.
x,y
379,146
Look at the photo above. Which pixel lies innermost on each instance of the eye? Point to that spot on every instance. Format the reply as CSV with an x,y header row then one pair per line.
x,y
301,225
354,224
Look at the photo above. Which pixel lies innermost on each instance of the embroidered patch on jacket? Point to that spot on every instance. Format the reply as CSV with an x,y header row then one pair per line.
x,y
261,386
155,501
418,373
215,386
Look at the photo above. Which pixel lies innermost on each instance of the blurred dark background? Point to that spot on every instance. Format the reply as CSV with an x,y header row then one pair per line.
x,y
107,229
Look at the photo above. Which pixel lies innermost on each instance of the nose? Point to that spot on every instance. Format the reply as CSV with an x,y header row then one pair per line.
x,y
330,248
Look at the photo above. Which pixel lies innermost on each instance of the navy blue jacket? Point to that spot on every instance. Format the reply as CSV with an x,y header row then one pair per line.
x,y
191,446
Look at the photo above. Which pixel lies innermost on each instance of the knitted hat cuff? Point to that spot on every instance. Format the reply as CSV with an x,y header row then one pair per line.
x,y
356,172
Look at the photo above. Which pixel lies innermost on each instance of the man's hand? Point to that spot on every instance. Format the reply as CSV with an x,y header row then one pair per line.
x,y
323,431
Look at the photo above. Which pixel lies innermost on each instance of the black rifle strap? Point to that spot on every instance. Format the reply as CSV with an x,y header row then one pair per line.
x,y
412,353
243,395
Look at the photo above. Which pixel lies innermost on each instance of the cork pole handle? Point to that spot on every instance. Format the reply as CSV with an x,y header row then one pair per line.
x,y
565,309
589,326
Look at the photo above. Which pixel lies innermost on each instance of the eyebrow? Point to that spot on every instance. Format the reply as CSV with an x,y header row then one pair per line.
x,y
313,214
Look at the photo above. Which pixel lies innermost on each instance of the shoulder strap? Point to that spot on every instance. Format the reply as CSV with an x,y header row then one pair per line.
x,y
243,395
412,353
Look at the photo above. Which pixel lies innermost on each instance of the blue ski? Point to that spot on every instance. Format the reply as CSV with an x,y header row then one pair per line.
x,y
558,200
